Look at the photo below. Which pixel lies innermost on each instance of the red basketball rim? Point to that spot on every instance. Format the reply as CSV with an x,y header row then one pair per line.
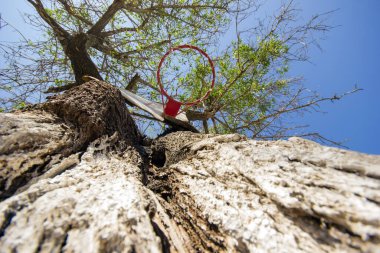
x,y
163,91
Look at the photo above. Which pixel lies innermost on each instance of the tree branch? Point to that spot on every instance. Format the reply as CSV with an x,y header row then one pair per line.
x,y
142,81
56,89
125,29
285,110
58,30
194,115
157,44
143,116
107,16
133,83
116,31
69,10
215,126
123,56
205,126
174,6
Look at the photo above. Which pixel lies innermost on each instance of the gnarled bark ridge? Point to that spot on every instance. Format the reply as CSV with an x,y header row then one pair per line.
x,y
75,178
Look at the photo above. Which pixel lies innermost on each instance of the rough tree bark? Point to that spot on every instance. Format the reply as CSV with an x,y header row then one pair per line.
x,y
76,177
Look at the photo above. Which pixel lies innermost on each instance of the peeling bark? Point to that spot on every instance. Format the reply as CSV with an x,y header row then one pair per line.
x,y
75,178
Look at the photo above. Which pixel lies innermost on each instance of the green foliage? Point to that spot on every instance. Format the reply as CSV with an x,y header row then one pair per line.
x,y
20,105
245,88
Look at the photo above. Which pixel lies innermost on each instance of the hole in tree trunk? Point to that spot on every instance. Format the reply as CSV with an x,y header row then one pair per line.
x,y
158,157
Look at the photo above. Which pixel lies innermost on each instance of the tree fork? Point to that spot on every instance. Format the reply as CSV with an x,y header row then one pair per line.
x,y
76,48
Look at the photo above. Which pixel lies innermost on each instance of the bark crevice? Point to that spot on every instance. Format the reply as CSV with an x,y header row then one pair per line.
x,y
8,216
165,244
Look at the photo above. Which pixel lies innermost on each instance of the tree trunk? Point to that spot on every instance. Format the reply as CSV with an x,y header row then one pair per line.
x,y
76,48
75,177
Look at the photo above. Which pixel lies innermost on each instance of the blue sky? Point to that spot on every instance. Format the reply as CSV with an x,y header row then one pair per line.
x,y
350,57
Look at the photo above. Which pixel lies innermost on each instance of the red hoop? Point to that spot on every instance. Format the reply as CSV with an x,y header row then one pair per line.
x,y
172,106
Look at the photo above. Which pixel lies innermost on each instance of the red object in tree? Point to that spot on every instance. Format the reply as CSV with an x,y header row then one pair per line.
x,y
172,107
